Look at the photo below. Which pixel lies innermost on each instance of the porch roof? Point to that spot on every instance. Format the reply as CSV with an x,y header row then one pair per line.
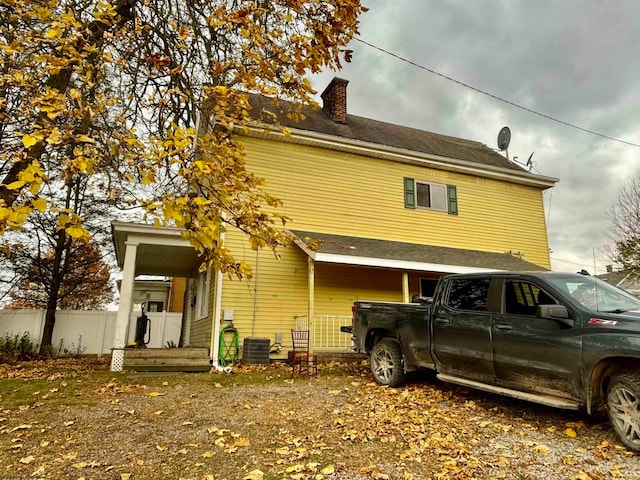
x,y
160,251
373,252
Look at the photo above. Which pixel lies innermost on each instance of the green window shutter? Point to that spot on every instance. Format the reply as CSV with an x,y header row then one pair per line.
x,y
452,199
409,193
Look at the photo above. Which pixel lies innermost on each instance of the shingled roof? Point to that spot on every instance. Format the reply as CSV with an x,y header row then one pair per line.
x,y
372,252
371,131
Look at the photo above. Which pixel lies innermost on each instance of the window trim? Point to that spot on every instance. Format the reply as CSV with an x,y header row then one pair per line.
x,y
202,294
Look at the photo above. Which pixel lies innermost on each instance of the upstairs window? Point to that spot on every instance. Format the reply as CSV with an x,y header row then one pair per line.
x,y
432,196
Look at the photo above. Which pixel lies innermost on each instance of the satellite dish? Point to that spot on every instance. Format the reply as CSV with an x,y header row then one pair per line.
x,y
504,137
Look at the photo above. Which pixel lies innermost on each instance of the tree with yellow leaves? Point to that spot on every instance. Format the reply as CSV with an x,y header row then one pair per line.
x,y
110,94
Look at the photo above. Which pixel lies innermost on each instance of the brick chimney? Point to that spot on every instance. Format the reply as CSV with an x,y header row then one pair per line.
x,y
334,100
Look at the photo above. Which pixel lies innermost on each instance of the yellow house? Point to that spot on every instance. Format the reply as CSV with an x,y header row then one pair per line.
x,y
393,207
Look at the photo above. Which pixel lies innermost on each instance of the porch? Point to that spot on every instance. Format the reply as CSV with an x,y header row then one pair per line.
x,y
326,341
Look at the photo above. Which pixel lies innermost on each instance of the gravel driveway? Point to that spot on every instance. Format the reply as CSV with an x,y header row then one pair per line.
x,y
258,423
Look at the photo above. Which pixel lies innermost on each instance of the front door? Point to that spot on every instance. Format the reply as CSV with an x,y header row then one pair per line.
x,y
539,355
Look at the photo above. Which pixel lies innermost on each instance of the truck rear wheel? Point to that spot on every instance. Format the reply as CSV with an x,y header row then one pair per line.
x,y
386,363
623,402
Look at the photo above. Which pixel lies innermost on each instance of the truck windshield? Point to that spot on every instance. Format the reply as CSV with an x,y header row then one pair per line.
x,y
596,294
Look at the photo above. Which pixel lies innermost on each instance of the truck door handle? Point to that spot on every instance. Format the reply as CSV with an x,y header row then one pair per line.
x,y
504,326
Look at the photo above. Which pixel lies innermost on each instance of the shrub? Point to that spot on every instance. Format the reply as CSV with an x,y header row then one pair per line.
x,y
17,347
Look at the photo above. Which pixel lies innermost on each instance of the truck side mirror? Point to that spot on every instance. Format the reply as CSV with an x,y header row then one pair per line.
x,y
554,312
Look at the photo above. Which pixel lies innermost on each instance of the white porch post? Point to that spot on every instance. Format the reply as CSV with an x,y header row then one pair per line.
x,y
215,321
405,287
124,307
310,309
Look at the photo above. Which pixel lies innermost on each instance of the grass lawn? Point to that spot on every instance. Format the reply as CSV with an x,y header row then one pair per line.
x,y
72,418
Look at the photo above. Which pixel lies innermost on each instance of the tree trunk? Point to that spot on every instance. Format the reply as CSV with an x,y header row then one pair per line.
x,y
58,271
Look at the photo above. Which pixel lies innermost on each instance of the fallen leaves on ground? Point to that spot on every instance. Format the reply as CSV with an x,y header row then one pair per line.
x,y
256,424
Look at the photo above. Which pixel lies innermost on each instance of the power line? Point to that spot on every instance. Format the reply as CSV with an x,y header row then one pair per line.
x,y
495,97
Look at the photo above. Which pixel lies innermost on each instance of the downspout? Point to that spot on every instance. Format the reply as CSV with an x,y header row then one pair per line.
x,y
255,297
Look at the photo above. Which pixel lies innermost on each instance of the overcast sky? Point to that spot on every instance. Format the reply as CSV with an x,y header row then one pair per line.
x,y
576,61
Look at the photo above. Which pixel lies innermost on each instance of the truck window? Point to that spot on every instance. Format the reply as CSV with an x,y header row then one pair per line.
x,y
468,293
522,298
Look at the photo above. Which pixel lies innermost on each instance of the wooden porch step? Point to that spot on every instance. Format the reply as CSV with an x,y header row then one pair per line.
x,y
167,359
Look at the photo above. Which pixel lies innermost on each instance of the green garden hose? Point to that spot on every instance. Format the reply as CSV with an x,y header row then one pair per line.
x,y
228,352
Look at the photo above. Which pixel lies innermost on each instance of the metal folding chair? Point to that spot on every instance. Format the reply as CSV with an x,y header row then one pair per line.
x,y
303,362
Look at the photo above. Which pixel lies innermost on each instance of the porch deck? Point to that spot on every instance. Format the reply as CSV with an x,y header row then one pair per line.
x,y
167,359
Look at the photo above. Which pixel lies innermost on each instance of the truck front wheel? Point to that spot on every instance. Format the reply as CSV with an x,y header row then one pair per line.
x,y
623,402
386,363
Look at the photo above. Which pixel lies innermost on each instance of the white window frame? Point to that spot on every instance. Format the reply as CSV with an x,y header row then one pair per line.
x,y
445,201
202,294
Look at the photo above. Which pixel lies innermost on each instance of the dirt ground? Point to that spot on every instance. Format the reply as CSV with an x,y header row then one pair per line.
x,y
75,420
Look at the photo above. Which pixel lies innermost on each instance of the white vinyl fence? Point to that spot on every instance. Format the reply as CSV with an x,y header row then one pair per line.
x,y
89,332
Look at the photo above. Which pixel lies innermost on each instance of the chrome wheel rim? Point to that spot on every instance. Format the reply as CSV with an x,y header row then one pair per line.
x,y
624,411
383,365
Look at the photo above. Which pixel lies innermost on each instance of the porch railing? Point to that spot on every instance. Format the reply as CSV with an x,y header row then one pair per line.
x,y
326,334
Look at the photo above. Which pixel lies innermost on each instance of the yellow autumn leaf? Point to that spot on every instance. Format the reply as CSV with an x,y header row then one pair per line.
x,y
27,460
24,426
39,204
84,139
34,188
156,394
16,185
328,470
541,449
162,448
29,140
294,468
581,476
570,432
80,465
208,454
69,423
616,473
241,442
53,32
76,231
125,476
254,475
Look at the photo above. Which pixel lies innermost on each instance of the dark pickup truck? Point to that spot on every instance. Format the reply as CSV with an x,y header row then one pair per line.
x,y
560,339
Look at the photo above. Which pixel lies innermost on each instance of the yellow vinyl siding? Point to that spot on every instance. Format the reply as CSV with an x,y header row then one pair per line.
x,y
279,288
338,286
335,192
200,334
